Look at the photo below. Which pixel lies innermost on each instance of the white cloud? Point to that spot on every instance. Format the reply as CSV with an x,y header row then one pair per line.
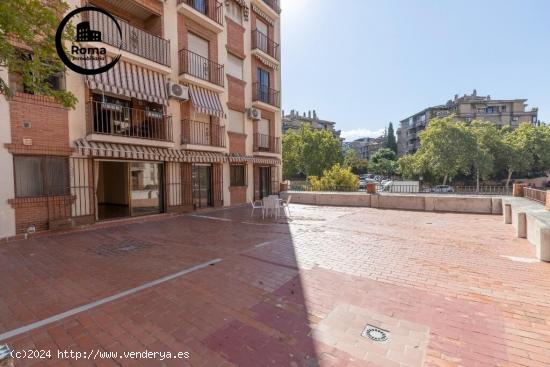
x,y
351,135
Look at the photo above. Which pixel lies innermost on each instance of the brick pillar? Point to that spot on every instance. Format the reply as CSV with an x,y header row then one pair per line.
x,y
547,206
518,189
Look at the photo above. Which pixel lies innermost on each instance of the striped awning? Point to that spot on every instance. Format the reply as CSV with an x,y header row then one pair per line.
x,y
129,80
267,161
239,158
206,101
129,151
266,61
263,15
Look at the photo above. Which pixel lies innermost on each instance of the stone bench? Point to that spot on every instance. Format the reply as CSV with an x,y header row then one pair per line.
x,y
531,221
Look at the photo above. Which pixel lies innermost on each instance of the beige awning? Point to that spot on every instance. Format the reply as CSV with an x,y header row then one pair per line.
x,y
206,101
129,80
130,151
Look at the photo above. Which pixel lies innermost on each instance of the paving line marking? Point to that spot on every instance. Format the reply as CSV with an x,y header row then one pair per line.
x,y
213,218
86,307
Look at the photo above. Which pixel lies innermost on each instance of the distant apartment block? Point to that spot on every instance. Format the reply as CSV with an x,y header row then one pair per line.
x,y
295,120
189,118
366,147
502,112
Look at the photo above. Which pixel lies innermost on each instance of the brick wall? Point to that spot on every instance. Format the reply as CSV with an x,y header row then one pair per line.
x,y
237,143
42,212
47,125
235,38
236,89
238,195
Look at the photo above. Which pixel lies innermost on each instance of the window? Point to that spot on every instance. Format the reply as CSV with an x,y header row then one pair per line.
x,y
234,12
41,176
238,175
262,27
55,81
490,110
236,122
234,66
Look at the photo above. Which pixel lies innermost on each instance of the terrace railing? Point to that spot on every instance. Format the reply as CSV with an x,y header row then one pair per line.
x,y
200,67
535,194
266,143
113,119
134,40
265,94
265,44
202,133
211,8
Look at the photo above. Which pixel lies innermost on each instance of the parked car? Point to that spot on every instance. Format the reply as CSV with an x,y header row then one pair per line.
x,y
443,189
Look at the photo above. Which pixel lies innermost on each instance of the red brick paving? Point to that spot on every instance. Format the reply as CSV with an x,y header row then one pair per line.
x,y
261,304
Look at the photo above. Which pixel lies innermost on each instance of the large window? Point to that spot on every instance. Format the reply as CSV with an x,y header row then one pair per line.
x,y
41,176
238,175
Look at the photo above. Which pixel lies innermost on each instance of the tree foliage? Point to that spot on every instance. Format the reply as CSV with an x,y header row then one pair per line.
x,y
383,162
357,165
336,178
28,27
448,148
310,152
391,142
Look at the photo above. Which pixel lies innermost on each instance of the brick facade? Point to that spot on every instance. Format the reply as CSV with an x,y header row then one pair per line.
x,y
235,38
237,143
236,95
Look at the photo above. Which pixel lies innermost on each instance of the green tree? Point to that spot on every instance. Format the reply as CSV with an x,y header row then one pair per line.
x,y
391,142
445,148
408,166
336,178
357,165
383,162
488,146
321,150
292,153
33,24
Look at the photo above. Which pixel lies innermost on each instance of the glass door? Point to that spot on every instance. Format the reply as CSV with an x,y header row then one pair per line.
x,y
265,182
146,188
202,186
263,85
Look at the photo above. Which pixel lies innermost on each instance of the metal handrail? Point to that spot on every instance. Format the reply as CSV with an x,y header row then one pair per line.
x,y
203,6
202,133
267,95
200,67
265,44
266,143
114,119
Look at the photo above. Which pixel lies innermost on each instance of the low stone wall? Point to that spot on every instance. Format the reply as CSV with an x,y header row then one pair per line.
x,y
421,202
531,221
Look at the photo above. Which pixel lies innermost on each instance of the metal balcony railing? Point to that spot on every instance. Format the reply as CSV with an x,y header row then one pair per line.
x,y
114,119
265,44
265,94
266,143
211,8
202,133
134,40
273,4
200,67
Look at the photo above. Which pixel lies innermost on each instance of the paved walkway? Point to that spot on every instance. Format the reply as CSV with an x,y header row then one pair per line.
x,y
444,289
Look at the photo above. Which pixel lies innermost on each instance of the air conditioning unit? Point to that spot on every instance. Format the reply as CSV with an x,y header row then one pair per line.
x,y
254,114
177,91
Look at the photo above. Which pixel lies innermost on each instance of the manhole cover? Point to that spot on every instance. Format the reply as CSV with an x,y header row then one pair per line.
x,y
124,247
375,334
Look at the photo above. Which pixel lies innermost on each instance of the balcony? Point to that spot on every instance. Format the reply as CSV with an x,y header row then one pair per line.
x,y
134,40
273,4
262,93
200,67
267,143
211,9
116,120
202,133
263,43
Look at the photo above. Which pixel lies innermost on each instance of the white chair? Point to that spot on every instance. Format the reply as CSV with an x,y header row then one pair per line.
x,y
271,205
257,205
286,204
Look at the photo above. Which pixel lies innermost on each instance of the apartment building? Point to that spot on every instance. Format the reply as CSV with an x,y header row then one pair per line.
x,y
294,120
502,112
188,118
366,147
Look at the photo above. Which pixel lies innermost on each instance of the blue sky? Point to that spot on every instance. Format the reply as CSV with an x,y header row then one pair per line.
x,y
363,63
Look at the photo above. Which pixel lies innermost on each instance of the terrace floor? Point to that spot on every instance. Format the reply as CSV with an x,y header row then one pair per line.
x,y
448,289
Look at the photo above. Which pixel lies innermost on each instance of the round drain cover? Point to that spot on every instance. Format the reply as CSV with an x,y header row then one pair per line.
x,y
375,334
